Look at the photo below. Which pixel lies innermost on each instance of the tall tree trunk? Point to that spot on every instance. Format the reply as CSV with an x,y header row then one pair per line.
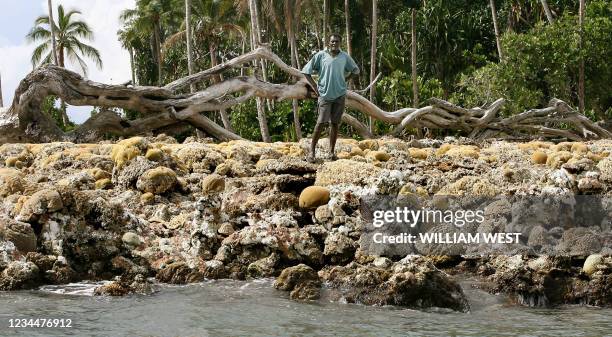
x,y
294,63
547,11
347,19
212,48
581,66
373,57
318,37
1,100
496,27
349,47
132,65
52,26
415,85
189,39
158,52
325,21
255,41
65,119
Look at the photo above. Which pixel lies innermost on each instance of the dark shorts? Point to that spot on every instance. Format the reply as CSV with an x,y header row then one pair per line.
x,y
331,111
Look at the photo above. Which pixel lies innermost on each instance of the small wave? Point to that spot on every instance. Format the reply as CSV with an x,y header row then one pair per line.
x,y
79,288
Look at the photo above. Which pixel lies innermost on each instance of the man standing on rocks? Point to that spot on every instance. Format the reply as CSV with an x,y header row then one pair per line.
x,y
332,65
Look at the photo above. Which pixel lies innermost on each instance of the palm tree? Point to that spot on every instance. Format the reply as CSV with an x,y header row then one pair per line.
x,y
547,11
127,37
413,59
69,33
373,56
189,38
147,18
62,39
325,20
347,19
212,19
496,28
50,6
581,65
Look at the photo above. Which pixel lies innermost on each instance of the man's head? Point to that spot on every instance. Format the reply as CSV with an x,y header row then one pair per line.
x,y
335,40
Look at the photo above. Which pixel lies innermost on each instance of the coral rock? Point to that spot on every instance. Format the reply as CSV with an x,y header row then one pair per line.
x,y
314,196
157,180
213,183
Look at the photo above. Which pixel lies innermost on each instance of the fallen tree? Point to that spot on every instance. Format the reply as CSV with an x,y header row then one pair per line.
x,y
170,108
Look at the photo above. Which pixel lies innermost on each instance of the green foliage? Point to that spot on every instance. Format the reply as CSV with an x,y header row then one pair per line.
x,y
54,108
396,90
456,52
543,63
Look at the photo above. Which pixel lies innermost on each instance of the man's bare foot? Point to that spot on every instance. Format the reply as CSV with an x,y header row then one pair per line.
x,y
333,157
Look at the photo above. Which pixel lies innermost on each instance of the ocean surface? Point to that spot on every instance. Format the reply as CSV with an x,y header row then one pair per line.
x,y
254,308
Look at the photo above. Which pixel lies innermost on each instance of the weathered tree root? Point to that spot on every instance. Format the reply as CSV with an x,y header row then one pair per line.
x,y
167,108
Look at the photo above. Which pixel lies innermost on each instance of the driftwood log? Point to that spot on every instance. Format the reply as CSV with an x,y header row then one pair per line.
x,y
170,108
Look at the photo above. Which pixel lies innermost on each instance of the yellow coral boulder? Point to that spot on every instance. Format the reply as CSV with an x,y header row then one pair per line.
x,y
128,149
420,154
157,180
313,197
103,184
154,154
539,157
11,182
213,183
379,155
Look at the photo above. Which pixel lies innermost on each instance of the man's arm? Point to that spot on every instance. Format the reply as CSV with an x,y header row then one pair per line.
x,y
309,68
313,84
352,69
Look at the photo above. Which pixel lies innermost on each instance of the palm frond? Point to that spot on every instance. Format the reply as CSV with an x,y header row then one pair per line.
x,y
87,51
38,53
75,58
80,29
38,33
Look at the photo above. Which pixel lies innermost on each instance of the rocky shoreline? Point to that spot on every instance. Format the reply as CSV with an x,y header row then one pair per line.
x,y
182,213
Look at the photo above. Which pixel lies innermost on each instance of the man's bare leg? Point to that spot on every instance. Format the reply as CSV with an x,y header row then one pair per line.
x,y
333,135
316,134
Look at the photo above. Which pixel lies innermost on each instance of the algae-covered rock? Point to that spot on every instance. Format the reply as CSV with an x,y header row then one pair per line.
x,y
302,281
463,151
154,154
379,155
539,157
213,183
103,184
178,273
19,275
556,159
147,198
11,182
414,283
157,180
19,233
417,153
313,197
339,249
131,239
127,149
41,202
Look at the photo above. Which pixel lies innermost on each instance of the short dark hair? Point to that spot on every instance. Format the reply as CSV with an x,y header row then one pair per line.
x,y
336,35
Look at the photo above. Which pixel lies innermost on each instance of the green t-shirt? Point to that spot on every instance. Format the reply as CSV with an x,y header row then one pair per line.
x,y
332,71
